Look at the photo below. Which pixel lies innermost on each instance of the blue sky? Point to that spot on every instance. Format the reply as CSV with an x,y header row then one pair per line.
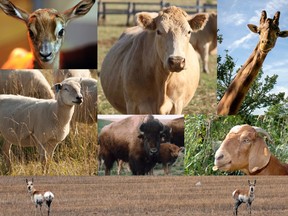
x,y
234,15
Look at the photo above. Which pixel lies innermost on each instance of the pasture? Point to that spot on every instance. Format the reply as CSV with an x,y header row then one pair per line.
x,y
204,100
75,155
144,195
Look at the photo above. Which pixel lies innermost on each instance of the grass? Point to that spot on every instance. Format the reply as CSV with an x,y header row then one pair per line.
x,y
204,100
75,155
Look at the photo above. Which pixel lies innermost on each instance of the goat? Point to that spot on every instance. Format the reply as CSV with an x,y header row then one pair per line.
x,y
46,29
244,196
245,149
38,197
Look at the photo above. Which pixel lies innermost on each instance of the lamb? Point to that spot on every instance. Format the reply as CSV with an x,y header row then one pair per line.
x,y
39,197
42,123
245,149
60,75
243,196
30,83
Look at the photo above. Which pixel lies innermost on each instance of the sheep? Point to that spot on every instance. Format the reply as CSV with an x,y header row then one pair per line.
x,y
38,197
42,123
60,75
245,149
244,196
30,83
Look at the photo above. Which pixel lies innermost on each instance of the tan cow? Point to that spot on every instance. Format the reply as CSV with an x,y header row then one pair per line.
x,y
205,41
153,68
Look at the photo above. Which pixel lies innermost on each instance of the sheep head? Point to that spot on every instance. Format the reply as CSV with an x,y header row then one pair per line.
x,y
243,149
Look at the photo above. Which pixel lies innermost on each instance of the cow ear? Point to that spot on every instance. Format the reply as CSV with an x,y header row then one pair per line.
x,y
259,155
197,22
146,21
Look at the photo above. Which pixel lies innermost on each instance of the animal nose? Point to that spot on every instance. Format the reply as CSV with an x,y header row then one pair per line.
x,y
176,63
79,98
219,157
153,150
45,55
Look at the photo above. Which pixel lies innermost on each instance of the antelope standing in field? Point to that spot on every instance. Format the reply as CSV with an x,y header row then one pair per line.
x,y
244,196
38,197
46,30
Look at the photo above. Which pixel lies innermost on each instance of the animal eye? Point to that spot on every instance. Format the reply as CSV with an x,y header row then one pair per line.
x,y
159,32
61,33
189,32
31,33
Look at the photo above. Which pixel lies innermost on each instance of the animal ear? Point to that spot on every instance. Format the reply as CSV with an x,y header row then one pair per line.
x,y
283,34
57,87
11,10
197,22
82,8
259,155
146,21
253,28
27,181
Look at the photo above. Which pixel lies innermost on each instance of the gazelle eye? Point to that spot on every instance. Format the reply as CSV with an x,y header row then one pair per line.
x,y
31,34
61,33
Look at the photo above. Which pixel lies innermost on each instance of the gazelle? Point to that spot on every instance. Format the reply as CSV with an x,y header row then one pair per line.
x,y
46,30
244,196
38,197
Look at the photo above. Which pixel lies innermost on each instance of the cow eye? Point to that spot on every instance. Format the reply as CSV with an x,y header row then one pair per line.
x,y
189,32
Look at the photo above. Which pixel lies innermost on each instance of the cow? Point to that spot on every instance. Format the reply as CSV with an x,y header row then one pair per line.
x,y
152,68
205,41
135,139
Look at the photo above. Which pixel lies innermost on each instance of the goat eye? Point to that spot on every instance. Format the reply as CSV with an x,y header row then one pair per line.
x,y
61,33
31,33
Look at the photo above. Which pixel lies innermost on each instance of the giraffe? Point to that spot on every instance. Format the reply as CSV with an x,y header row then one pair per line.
x,y
269,32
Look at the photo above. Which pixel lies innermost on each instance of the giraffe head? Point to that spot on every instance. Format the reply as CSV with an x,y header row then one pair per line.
x,y
268,30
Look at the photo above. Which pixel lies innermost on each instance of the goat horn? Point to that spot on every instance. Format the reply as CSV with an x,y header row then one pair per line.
x,y
262,131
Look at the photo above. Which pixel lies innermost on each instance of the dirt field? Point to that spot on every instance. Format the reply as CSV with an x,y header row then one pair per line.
x,y
144,195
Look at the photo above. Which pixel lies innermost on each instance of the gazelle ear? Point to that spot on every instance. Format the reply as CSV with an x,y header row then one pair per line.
x,y
82,8
11,10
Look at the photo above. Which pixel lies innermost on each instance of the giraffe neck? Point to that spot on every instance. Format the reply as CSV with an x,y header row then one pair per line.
x,y
236,92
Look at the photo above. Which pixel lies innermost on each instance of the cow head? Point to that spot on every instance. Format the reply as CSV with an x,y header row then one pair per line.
x,y
151,132
172,28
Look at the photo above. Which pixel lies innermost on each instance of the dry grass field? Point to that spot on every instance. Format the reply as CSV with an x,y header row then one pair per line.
x,y
204,100
144,195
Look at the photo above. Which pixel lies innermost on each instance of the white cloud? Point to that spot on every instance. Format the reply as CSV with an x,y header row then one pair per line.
x,y
241,42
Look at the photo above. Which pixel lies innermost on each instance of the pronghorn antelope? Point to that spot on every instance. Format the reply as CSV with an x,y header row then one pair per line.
x,y
38,197
244,196
46,30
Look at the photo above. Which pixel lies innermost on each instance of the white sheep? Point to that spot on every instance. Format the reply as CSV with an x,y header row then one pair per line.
x,y
38,122
30,83
60,75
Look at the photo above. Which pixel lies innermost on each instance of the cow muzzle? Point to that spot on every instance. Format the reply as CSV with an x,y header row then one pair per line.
x,y
176,63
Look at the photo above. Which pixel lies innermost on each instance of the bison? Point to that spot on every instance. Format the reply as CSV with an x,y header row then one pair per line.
x,y
135,139
176,131
152,68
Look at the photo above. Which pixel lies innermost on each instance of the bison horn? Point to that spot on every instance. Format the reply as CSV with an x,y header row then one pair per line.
x,y
262,131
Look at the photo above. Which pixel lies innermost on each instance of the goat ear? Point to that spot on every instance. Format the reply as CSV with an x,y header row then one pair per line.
x,y
82,8
259,155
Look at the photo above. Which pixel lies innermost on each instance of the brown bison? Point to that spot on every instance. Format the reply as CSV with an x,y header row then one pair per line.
x,y
135,139
152,68
176,135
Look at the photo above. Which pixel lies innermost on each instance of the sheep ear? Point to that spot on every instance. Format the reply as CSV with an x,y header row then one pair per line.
x,y
259,155
57,87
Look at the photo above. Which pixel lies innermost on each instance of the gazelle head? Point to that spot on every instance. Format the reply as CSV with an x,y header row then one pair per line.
x,y
268,30
251,186
29,185
46,29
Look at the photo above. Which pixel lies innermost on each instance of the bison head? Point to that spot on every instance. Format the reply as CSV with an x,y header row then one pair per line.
x,y
151,132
